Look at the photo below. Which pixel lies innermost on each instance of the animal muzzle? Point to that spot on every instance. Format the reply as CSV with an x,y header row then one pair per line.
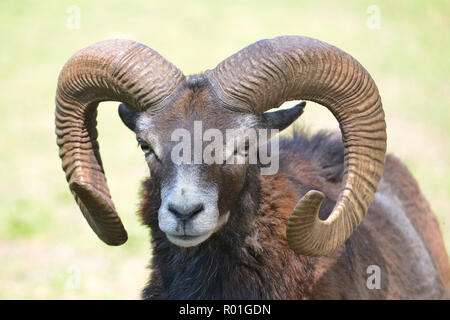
x,y
189,214
189,225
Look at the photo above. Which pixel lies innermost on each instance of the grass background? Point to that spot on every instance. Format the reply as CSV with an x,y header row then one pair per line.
x,y
47,249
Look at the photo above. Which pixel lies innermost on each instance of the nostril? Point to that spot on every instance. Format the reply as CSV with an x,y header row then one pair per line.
x,y
185,212
197,209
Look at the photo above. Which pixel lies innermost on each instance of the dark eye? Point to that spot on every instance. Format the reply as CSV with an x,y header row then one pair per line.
x,y
243,150
145,147
246,149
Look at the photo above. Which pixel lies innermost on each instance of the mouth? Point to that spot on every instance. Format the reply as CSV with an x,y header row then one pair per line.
x,y
190,240
187,240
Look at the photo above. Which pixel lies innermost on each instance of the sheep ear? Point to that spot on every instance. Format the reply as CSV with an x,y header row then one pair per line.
x,y
128,117
282,119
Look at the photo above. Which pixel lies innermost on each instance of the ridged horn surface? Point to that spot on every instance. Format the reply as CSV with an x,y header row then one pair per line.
x,y
269,72
118,70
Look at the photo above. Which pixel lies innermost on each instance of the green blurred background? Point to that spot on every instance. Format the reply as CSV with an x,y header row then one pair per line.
x,y
47,249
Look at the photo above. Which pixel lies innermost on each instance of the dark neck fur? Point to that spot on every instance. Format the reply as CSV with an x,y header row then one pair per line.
x,y
217,268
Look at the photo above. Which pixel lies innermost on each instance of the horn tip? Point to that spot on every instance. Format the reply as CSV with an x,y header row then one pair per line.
x,y
99,212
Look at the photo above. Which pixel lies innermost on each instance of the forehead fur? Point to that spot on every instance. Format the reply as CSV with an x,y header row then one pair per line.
x,y
193,101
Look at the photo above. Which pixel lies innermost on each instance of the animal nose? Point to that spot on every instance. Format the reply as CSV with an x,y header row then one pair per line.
x,y
185,212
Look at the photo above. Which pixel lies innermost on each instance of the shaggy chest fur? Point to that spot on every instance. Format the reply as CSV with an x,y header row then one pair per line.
x,y
249,257
241,261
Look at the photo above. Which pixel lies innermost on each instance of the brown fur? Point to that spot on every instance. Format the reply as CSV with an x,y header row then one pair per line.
x,y
249,258
271,270
405,187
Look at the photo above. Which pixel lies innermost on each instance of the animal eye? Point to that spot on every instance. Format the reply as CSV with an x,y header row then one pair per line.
x,y
145,147
243,150
246,149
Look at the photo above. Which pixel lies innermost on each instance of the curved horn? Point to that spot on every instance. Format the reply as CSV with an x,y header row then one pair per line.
x,y
269,72
119,70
